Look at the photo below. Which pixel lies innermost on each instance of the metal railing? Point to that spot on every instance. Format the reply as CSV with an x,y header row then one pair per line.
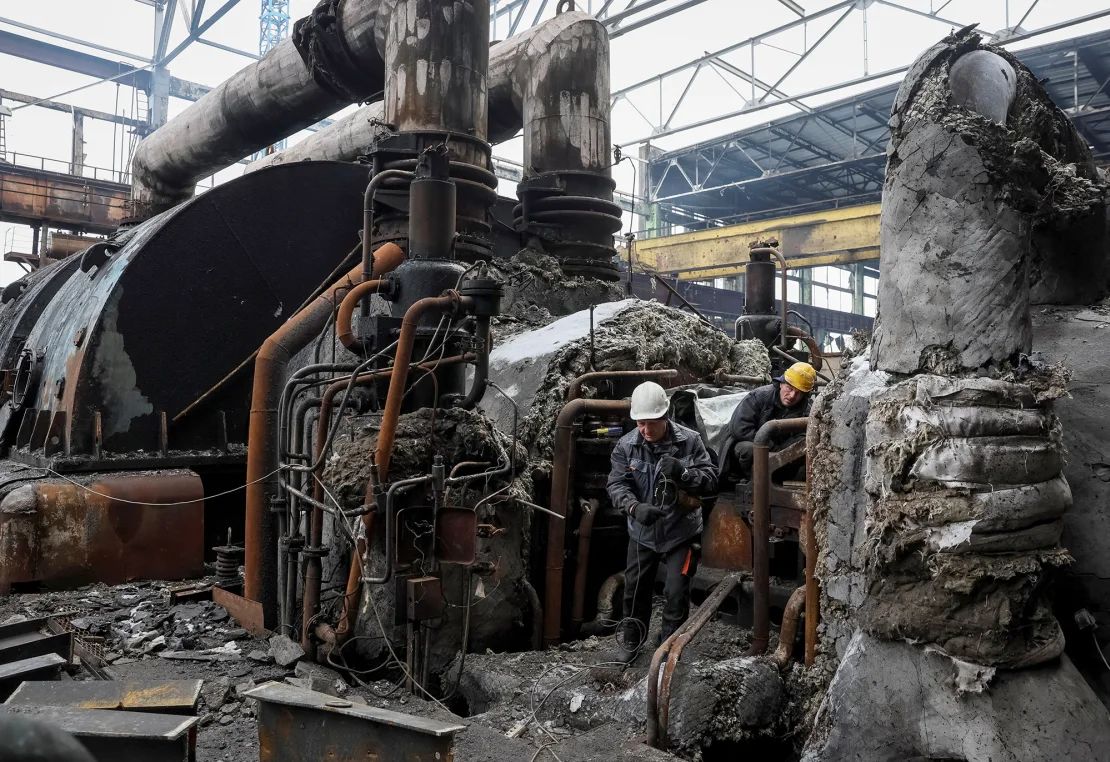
x,y
17,239
63,167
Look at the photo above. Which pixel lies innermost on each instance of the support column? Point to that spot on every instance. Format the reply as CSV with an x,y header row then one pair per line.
x,y
77,150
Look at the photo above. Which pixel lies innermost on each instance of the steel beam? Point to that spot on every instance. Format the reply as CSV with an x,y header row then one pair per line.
x,y
67,108
830,237
92,66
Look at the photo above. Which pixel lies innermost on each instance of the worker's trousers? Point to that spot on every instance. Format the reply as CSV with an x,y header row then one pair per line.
x,y
680,565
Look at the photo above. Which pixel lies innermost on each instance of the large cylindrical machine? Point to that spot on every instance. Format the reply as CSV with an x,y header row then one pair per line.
x,y
130,356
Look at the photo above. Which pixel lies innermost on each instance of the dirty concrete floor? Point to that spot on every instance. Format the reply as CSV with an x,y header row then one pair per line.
x,y
555,704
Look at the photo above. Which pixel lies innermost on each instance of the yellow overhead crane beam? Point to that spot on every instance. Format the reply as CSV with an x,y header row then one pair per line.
x,y
830,237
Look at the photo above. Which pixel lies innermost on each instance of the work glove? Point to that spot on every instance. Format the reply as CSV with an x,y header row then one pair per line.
x,y
672,468
646,513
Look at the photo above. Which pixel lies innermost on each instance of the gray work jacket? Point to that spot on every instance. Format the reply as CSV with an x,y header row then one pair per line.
x,y
633,477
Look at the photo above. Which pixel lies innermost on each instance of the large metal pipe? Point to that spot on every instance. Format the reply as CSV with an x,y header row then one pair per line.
x,y
761,526
560,493
260,576
437,55
545,50
261,104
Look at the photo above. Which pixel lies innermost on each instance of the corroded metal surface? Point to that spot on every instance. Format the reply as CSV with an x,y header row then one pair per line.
x,y
726,542
111,528
168,696
295,725
143,329
30,195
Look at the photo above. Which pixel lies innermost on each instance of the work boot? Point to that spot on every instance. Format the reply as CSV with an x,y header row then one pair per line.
x,y
628,644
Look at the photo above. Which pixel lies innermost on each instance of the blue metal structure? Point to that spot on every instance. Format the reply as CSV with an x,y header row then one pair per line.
x,y
273,27
273,24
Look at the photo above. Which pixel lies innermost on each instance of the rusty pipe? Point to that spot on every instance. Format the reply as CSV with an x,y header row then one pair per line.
x,y
388,431
590,510
368,219
313,566
560,494
263,461
816,359
574,390
813,601
761,526
789,630
659,687
774,252
343,330
720,378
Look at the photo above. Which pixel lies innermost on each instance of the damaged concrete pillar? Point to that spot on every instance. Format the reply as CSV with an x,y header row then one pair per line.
x,y
945,436
979,159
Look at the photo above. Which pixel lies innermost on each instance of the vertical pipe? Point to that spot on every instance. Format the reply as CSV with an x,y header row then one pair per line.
x,y
263,456
761,565
437,54
560,504
392,411
761,526
812,600
582,563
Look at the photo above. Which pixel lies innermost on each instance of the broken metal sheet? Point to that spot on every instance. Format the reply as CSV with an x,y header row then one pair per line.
x,y
295,725
113,736
167,696
246,612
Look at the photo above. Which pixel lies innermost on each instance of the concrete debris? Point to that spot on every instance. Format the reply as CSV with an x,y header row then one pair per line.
x,y
285,651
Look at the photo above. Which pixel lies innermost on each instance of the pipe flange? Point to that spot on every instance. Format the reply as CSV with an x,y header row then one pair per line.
x,y
573,214
320,40
315,551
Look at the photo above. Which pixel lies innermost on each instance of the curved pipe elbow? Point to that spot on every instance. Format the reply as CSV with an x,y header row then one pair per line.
x,y
554,81
767,431
984,82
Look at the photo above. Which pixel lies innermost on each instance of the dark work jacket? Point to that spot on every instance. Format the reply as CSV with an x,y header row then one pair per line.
x,y
761,405
633,478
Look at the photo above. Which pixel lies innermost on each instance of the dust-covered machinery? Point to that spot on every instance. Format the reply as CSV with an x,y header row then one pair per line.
x,y
321,330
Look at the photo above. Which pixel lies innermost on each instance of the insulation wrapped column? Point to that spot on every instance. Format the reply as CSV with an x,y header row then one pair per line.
x,y
437,54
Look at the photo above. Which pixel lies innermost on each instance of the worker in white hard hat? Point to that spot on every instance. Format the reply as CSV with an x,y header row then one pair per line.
x,y
658,473
789,396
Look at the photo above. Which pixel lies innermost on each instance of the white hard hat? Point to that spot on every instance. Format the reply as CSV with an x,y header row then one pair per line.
x,y
649,401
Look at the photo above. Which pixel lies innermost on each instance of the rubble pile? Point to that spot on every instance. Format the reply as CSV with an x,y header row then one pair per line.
x,y
538,366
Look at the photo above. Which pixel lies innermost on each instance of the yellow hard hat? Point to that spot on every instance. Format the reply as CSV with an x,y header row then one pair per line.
x,y
801,376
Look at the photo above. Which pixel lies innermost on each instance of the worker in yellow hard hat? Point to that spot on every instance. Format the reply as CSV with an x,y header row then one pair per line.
x,y
789,396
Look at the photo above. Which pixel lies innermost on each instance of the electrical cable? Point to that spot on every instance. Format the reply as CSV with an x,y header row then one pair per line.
x,y
116,499
1098,648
